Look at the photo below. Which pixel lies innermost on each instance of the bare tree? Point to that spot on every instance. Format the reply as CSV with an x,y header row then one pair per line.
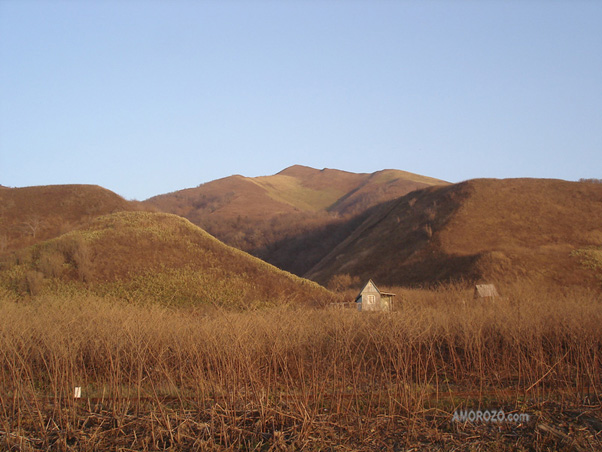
x,y
33,223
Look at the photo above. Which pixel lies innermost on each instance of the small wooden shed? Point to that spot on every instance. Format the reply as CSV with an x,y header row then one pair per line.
x,y
485,291
372,299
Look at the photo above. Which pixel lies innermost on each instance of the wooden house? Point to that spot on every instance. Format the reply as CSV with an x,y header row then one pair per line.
x,y
372,299
485,291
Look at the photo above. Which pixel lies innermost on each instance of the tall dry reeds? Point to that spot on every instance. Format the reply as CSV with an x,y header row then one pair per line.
x,y
155,377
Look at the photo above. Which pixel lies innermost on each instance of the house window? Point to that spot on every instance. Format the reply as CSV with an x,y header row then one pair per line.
x,y
370,299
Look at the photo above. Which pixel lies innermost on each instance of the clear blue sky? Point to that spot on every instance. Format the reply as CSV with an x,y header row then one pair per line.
x,y
147,97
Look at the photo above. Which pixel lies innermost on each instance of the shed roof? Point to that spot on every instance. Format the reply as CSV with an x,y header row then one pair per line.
x,y
486,290
386,294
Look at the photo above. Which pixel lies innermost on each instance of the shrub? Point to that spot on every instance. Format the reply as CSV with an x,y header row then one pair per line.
x,y
341,282
34,281
51,264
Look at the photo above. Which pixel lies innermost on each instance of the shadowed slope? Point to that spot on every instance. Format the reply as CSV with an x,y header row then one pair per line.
x,y
479,229
269,215
157,257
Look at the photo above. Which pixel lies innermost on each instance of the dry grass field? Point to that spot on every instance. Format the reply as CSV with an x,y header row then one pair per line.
x,y
180,342
292,378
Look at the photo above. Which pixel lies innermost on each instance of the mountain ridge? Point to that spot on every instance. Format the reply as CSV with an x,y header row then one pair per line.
x,y
389,225
480,229
258,214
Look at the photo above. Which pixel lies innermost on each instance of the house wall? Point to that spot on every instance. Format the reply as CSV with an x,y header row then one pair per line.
x,y
385,303
370,300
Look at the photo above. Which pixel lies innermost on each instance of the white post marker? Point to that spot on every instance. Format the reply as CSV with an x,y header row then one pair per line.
x,y
77,394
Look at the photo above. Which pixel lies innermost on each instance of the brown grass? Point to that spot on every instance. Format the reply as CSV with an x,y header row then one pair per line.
x,y
477,230
29,215
156,257
275,217
287,379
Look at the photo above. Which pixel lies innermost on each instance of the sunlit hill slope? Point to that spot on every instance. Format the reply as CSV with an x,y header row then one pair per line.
x,y
159,257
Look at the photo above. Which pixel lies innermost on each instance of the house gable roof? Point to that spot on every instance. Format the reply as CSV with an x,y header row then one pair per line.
x,y
367,286
486,290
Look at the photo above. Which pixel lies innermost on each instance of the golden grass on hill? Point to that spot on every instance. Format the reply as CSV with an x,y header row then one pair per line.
x,y
157,378
153,257
591,258
290,190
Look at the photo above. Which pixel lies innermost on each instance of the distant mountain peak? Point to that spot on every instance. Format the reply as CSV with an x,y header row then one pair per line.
x,y
271,215
307,171
298,170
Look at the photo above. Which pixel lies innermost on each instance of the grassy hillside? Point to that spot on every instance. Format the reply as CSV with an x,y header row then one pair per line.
x,y
152,257
32,214
274,216
481,229
226,198
378,187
